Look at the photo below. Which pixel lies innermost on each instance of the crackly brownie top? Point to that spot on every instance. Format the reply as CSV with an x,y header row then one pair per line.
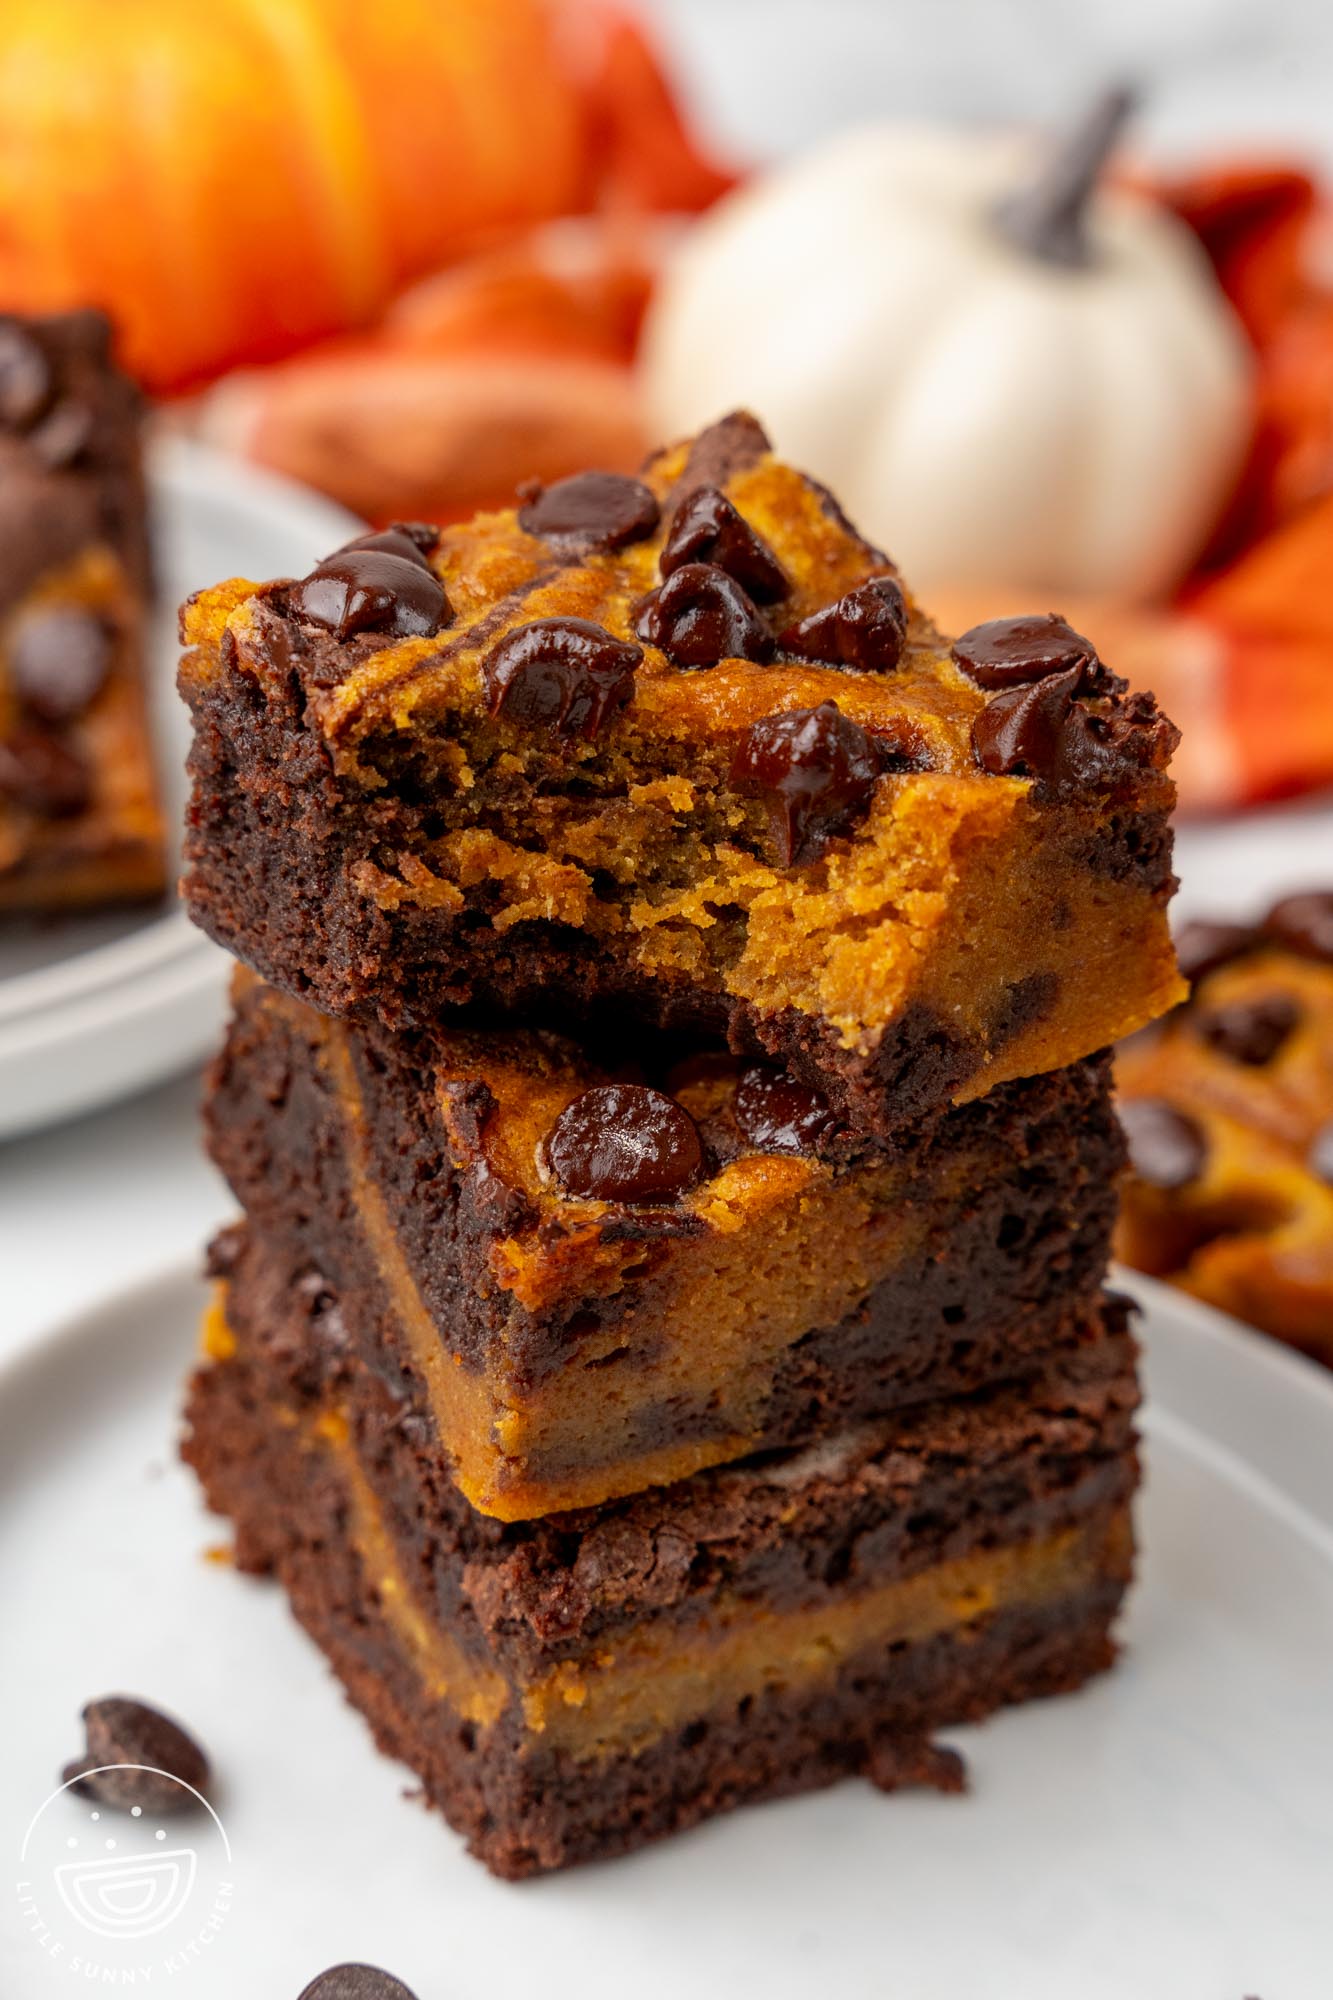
x,y
719,599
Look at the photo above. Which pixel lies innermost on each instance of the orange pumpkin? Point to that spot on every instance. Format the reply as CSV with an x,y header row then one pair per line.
x,y
234,178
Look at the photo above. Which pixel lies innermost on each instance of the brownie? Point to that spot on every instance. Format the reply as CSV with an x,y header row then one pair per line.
x,y
568,1345
79,818
1228,1106
570,1688
682,748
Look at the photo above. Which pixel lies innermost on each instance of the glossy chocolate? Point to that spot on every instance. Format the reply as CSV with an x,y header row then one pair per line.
x,y
815,770
623,1142
591,510
700,616
706,528
863,630
565,675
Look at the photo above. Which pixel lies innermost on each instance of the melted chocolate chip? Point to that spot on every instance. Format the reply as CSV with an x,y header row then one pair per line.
x,y
593,510
1012,652
1321,1153
562,674
26,384
356,1982
1038,731
1167,1149
58,662
43,775
778,1115
863,630
412,540
624,1142
63,435
815,769
123,1734
1304,924
706,528
1249,1031
373,589
700,616
1202,947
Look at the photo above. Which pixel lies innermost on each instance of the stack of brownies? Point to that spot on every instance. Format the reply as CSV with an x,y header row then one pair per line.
x,y
665,1355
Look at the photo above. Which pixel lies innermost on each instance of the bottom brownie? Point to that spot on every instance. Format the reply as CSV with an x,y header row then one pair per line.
x,y
573,1687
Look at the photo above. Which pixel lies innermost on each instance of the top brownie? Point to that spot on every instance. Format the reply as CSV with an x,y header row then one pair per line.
x,y
682,746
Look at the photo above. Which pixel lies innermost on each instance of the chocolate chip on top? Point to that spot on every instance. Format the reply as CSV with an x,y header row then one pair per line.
x,y
413,540
1201,947
1167,1148
624,1142
815,769
1304,924
864,629
700,616
562,674
1012,652
124,1736
1250,1031
26,381
59,658
706,528
1021,733
376,583
591,510
778,1115
356,1982
43,775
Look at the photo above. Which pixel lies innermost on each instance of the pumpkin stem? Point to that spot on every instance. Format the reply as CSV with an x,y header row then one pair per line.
x,y
1049,218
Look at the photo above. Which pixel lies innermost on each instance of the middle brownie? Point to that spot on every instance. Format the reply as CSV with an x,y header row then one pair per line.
x,y
782,1280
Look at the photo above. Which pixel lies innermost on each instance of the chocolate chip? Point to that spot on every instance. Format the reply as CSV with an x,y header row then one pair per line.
x,y
356,1982
1011,652
864,629
64,435
123,1733
58,661
1202,947
26,384
1167,1149
700,616
815,769
1249,1031
1321,1153
1023,732
706,528
43,775
593,510
625,1142
1304,924
412,540
563,674
778,1115
372,590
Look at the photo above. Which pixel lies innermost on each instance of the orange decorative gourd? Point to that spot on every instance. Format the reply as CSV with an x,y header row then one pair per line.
x,y
233,178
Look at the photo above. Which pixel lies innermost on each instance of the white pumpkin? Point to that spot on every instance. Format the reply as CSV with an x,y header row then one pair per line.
x,y
986,413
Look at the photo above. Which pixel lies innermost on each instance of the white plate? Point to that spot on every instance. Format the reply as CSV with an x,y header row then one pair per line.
x,y
1163,1836
93,1007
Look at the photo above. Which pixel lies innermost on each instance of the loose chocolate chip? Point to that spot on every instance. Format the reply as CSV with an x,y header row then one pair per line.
x,y
124,1734
1011,652
412,540
1303,923
562,674
1321,1153
700,616
1250,1031
1202,947
706,528
1022,731
372,590
43,775
864,629
63,435
58,662
778,1115
26,385
815,769
1167,1149
625,1142
593,510
356,1982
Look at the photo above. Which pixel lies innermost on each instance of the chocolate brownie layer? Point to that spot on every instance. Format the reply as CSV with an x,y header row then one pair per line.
x,y
568,1348
573,1687
387,819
